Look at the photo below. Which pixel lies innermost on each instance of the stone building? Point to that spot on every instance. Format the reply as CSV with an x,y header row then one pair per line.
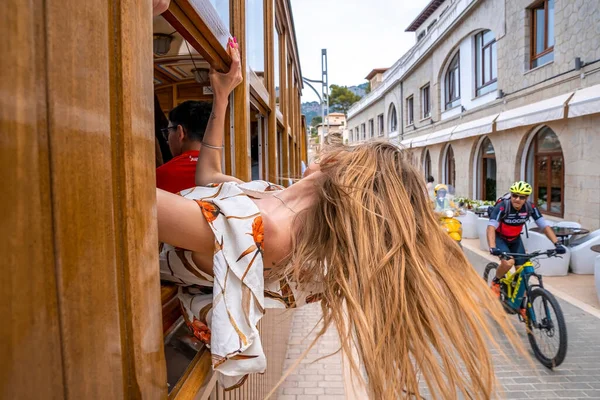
x,y
495,91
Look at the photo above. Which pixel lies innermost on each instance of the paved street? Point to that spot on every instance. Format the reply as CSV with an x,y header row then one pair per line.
x,y
577,378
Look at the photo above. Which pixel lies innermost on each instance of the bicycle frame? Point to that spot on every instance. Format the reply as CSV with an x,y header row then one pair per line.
x,y
515,296
518,297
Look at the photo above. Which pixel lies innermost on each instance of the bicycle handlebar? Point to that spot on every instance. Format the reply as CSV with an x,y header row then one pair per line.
x,y
549,253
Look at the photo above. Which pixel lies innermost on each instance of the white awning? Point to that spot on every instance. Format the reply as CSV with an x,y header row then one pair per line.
x,y
443,135
535,113
477,127
585,101
420,141
406,143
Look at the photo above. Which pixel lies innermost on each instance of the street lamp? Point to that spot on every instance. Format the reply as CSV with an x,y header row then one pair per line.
x,y
324,97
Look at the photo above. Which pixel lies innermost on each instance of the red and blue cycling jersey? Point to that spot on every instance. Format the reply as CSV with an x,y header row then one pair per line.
x,y
509,221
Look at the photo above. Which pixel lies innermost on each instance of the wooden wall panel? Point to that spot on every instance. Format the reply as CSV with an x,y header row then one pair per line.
x,y
270,31
29,334
82,197
241,96
81,299
132,134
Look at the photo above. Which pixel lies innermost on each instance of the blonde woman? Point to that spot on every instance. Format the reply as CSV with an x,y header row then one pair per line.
x,y
358,226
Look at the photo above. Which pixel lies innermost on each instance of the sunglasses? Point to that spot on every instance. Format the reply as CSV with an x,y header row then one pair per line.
x,y
165,131
516,196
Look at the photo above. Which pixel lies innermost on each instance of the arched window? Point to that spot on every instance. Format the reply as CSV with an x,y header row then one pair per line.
x,y
427,164
486,63
486,171
393,119
452,82
545,171
450,167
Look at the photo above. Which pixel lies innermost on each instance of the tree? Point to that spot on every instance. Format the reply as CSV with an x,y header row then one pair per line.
x,y
316,121
341,98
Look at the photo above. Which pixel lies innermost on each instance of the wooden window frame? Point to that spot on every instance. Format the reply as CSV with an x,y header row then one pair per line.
x,y
426,101
371,128
447,84
410,110
534,56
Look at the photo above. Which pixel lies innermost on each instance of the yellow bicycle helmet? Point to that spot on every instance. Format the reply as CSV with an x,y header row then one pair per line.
x,y
523,188
440,186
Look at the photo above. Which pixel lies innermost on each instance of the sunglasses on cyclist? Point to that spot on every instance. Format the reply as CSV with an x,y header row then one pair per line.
x,y
165,131
520,197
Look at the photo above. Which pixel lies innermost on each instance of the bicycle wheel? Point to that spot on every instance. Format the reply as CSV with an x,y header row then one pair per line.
x,y
548,335
490,272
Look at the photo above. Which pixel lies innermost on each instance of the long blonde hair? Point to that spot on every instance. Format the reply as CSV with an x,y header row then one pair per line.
x,y
395,285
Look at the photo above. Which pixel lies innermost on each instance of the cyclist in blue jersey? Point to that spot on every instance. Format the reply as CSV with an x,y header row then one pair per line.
x,y
506,223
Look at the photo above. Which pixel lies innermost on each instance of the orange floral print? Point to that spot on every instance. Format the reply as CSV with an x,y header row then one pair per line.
x,y
201,331
209,210
258,234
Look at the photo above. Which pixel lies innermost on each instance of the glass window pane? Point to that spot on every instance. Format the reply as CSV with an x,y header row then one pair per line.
x,y
488,147
494,62
556,177
488,36
550,23
540,24
478,47
222,7
547,141
487,62
276,64
542,182
543,60
256,35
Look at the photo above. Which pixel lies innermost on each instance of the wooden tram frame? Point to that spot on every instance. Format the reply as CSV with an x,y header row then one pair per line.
x,y
81,291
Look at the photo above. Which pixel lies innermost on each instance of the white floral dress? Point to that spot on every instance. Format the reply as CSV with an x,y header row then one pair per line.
x,y
227,319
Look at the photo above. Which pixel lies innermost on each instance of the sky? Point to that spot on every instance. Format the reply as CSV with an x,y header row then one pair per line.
x,y
359,35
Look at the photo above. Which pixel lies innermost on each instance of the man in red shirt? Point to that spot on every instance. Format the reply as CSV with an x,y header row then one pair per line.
x,y
184,134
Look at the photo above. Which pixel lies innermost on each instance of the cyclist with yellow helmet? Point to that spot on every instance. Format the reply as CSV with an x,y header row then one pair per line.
x,y
506,223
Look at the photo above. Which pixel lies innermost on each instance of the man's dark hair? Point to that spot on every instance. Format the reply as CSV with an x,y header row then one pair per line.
x,y
193,116
430,179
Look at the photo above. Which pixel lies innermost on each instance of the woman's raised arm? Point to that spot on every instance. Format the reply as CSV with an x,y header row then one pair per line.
x,y
208,168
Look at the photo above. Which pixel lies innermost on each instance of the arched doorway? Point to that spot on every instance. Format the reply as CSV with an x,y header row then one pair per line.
x,y
449,167
544,170
427,164
486,171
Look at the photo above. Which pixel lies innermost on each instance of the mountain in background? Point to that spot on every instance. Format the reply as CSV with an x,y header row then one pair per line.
x,y
310,110
359,90
313,108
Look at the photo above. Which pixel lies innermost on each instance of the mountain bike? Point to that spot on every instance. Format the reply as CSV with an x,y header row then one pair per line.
x,y
536,307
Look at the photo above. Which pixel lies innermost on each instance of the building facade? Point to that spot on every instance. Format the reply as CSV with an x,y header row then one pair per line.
x,y
495,91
